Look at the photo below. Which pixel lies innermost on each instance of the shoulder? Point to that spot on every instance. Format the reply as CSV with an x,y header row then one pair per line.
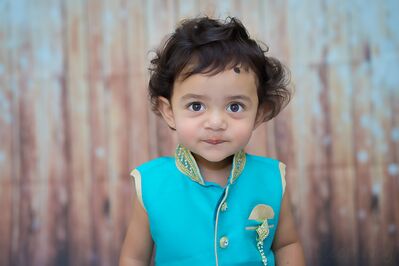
x,y
157,164
150,175
153,170
261,161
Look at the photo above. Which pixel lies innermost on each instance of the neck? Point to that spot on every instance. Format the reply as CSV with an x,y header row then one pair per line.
x,y
217,172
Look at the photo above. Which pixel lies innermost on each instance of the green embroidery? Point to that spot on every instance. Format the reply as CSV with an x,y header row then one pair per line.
x,y
186,163
238,165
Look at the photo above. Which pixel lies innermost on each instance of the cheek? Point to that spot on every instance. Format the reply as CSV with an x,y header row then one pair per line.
x,y
243,131
244,135
186,129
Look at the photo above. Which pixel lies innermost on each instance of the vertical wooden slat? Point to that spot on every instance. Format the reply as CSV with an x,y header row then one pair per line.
x,y
116,85
367,205
47,191
21,64
340,100
383,53
311,166
100,192
393,165
313,141
372,45
138,54
391,37
14,43
78,135
6,137
342,175
362,151
381,190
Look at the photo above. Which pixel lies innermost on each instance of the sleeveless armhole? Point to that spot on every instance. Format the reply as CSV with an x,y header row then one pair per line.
x,y
137,183
282,174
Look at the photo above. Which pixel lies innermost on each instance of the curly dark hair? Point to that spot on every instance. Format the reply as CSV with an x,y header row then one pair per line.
x,y
209,46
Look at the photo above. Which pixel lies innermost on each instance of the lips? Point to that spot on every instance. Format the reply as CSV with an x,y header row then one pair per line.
x,y
214,141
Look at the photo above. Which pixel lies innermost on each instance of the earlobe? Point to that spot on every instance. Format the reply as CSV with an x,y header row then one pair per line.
x,y
165,108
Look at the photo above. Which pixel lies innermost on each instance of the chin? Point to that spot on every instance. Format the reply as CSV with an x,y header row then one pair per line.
x,y
214,158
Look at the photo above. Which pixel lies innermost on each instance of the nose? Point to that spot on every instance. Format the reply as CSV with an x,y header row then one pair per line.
x,y
216,120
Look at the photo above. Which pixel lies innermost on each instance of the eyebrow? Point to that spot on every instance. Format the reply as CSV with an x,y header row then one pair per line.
x,y
193,96
190,96
239,97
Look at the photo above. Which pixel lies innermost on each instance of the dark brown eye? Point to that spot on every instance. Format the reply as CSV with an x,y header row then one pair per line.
x,y
237,70
196,107
235,107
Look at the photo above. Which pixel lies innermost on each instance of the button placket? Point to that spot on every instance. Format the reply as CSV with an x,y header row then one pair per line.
x,y
222,239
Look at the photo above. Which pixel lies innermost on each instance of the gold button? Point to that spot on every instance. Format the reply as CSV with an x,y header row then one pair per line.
x,y
224,207
224,242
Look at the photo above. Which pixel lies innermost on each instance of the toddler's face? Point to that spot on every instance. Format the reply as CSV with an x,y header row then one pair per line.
x,y
214,116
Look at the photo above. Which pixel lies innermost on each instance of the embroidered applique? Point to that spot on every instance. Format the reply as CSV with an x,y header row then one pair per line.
x,y
261,213
186,163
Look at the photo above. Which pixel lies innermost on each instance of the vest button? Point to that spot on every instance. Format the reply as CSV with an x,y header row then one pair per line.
x,y
224,207
224,242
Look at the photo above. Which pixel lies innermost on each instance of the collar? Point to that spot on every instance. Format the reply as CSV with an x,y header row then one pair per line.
x,y
186,163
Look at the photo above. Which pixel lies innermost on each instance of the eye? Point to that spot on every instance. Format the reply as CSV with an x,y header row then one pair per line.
x,y
196,107
235,107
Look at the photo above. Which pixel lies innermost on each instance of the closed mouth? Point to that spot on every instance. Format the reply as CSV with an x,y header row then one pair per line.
x,y
214,141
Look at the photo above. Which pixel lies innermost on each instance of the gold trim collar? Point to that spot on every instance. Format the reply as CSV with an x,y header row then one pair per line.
x,y
186,163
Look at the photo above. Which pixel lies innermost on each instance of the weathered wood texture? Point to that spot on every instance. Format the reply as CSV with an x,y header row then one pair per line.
x,y
74,119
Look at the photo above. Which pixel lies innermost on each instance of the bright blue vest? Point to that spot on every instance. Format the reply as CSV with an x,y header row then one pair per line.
x,y
195,222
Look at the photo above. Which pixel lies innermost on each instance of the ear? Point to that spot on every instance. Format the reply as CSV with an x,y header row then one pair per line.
x,y
165,108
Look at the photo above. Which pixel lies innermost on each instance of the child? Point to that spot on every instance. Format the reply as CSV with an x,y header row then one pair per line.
x,y
213,204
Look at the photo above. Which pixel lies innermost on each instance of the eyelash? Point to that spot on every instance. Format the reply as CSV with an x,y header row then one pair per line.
x,y
241,107
202,107
190,106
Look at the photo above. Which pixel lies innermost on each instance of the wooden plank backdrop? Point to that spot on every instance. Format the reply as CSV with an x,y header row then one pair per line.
x,y
74,120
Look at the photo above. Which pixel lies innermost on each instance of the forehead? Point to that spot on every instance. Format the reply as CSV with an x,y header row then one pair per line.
x,y
231,81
